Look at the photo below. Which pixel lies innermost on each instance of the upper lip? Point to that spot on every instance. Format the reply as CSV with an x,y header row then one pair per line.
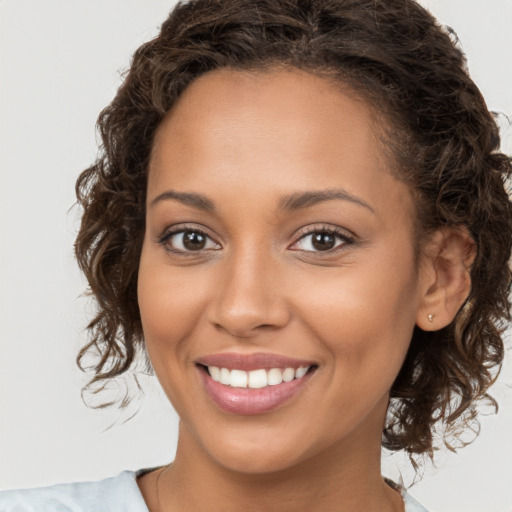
x,y
248,362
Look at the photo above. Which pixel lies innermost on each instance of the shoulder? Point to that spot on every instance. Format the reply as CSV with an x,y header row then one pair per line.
x,y
116,494
411,505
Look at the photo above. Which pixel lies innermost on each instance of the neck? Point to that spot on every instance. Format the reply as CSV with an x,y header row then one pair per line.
x,y
342,478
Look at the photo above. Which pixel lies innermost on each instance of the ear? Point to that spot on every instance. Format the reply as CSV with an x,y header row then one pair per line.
x,y
444,277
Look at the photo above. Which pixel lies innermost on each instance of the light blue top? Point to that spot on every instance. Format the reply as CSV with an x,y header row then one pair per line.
x,y
117,494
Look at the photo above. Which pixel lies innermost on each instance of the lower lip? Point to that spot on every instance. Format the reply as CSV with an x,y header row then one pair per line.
x,y
247,401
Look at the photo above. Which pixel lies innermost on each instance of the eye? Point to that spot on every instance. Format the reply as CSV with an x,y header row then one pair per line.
x,y
322,240
188,240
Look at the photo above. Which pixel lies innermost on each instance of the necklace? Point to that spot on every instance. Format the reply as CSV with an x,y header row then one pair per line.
x,y
157,483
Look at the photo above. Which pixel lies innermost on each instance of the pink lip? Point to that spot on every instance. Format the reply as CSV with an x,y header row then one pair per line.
x,y
248,362
246,401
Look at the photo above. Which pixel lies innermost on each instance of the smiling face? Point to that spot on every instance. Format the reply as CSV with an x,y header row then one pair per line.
x,y
276,237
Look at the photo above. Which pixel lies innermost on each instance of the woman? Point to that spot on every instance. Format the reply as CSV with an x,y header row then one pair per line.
x,y
300,216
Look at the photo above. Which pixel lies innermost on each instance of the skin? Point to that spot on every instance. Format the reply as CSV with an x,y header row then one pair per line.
x,y
245,141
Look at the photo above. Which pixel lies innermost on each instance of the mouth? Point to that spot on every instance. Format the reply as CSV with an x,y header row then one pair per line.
x,y
256,379
256,384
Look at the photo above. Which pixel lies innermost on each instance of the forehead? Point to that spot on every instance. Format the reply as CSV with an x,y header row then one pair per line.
x,y
285,108
273,131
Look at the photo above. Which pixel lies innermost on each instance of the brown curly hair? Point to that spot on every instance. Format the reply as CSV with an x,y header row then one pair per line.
x,y
443,141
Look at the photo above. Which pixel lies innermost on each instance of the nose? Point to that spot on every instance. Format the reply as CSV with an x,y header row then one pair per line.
x,y
249,297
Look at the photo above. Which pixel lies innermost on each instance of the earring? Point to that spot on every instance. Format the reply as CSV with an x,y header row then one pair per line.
x,y
430,317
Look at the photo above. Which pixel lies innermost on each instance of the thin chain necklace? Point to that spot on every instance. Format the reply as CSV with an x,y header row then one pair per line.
x,y
158,487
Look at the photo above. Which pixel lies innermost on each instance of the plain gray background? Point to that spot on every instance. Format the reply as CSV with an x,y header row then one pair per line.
x,y
60,63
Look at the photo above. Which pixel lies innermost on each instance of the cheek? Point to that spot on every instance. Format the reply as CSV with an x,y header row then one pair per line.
x,y
170,303
364,325
365,316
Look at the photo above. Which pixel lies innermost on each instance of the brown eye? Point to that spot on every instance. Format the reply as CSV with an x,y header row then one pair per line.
x,y
321,241
188,241
194,241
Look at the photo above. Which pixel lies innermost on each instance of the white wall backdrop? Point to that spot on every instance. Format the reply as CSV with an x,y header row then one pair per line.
x,y
59,66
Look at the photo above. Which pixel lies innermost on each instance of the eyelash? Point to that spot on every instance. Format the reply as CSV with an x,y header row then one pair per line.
x,y
346,240
166,236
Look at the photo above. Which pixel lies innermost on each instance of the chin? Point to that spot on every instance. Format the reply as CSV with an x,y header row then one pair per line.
x,y
262,463
256,455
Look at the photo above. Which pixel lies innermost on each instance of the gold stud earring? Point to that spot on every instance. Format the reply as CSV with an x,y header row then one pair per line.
x,y
430,317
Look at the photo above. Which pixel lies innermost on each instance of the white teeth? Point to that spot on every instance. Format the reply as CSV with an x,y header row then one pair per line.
x,y
238,379
225,376
274,376
255,379
215,373
288,374
300,372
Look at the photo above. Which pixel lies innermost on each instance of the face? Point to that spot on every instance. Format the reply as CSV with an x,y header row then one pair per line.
x,y
278,288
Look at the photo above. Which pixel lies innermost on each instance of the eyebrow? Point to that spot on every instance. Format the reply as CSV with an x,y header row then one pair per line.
x,y
292,202
301,200
188,198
